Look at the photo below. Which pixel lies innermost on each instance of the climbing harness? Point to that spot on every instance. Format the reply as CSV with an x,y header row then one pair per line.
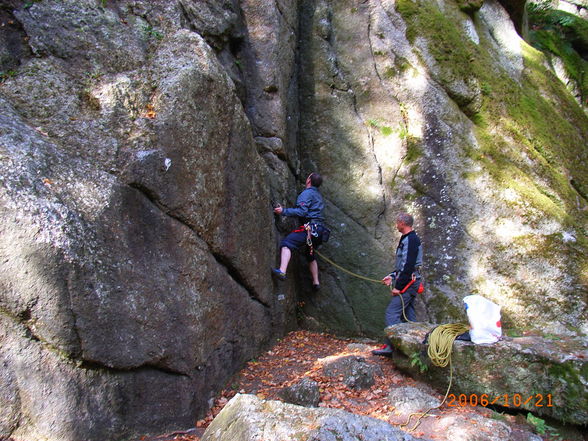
x,y
311,231
440,340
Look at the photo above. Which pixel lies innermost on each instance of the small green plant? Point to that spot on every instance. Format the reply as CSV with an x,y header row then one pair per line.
x,y
415,360
373,123
377,124
498,416
541,427
151,32
513,333
390,72
385,130
30,3
5,75
402,131
486,89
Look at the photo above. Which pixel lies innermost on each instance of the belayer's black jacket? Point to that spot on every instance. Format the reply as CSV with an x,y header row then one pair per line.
x,y
409,256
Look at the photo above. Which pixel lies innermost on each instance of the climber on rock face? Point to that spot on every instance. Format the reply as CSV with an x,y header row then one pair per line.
x,y
309,209
406,277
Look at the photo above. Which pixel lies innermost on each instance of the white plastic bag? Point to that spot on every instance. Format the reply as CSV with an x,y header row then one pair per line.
x,y
484,318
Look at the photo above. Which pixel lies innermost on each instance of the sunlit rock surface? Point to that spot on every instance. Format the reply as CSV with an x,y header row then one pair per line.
x,y
246,418
546,375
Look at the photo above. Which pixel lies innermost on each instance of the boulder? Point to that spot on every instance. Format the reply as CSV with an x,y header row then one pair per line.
x,y
130,274
303,393
356,372
408,399
247,418
544,375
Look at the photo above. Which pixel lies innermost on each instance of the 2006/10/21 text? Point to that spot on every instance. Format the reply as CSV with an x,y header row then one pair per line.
x,y
505,400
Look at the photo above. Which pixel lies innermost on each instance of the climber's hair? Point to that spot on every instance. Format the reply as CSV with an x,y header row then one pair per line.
x,y
315,179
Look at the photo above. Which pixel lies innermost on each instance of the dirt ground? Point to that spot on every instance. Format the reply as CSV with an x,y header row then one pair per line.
x,y
302,354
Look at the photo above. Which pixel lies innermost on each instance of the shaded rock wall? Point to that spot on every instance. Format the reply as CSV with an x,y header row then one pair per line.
x,y
143,144
136,228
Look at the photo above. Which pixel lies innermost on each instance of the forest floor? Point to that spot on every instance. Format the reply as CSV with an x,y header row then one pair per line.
x,y
302,354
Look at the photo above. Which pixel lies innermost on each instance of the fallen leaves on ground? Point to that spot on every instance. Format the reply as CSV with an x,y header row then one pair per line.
x,y
302,354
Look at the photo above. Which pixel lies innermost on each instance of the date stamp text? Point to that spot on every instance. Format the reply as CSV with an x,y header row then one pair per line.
x,y
504,400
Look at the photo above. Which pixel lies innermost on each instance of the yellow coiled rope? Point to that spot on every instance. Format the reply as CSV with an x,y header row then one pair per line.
x,y
440,346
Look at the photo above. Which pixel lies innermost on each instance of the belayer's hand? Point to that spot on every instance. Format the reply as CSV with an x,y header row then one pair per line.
x,y
395,292
278,209
387,280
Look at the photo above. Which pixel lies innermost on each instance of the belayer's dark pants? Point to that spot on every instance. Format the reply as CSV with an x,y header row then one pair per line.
x,y
394,310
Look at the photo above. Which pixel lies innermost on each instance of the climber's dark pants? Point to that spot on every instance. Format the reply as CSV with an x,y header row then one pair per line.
x,y
297,240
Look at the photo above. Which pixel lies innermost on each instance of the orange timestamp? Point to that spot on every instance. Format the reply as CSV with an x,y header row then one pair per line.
x,y
505,400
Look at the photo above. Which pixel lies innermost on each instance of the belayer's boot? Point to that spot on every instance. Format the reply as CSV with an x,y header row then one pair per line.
x,y
385,350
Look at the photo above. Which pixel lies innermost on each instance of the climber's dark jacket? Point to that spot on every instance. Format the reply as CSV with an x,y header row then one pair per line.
x,y
309,207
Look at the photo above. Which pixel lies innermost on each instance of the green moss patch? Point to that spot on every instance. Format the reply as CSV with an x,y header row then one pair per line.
x,y
564,35
532,135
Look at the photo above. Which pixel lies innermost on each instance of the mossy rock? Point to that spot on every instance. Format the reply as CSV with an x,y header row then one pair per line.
x,y
470,6
544,375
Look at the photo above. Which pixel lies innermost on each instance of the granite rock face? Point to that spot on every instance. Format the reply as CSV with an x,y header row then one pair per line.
x,y
418,106
143,143
135,223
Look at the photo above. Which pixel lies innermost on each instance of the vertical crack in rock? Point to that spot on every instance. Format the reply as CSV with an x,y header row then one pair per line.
x,y
369,39
290,26
375,158
351,308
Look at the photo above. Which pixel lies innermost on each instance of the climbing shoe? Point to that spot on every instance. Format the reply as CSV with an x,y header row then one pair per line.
x,y
385,350
278,274
316,288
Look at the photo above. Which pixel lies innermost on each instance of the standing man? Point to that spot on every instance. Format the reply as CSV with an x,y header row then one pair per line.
x,y
405,278
309,209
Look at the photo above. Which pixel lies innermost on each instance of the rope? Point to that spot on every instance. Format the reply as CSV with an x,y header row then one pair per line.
x,y
440,342
359,276
440,347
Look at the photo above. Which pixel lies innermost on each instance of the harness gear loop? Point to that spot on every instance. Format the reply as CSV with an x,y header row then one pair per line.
x,y
309,233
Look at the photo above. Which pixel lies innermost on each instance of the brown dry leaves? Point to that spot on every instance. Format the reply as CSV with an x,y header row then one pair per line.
x,y
301,354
